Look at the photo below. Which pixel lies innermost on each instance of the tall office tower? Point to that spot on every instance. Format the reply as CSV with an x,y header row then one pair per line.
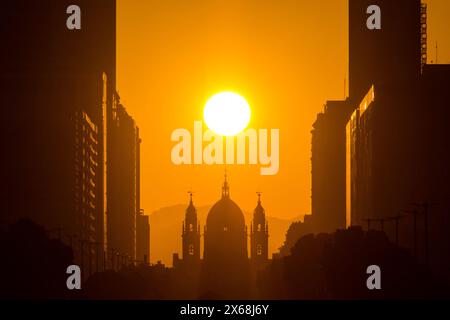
x,y
390,55
142,238
122,184
328,167
54,82
142,220
38,41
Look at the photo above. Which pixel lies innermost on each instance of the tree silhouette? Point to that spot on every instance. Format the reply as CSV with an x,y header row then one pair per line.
x,y
333,266
33,266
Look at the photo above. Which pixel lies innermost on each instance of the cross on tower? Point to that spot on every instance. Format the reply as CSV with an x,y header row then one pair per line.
x,y
259,193
191,193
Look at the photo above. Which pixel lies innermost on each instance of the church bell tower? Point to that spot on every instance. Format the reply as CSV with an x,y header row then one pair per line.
x,y
191,235
259,235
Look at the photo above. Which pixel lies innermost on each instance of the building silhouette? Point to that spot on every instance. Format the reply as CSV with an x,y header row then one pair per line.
x,y
189,265
87,185
142,238
122,181
49,77
259,237
65,166
142,220
379,158
225,269
388,56
328,167
191,236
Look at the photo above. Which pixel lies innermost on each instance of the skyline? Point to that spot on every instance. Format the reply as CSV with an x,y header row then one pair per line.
x,y
77,152
173,57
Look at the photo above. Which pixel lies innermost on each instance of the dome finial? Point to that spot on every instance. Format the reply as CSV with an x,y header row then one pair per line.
x,y
225,187
259,193
191,193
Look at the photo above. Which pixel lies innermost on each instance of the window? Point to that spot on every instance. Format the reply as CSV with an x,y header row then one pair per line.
x,y
259,249
191,227
259,227
191,249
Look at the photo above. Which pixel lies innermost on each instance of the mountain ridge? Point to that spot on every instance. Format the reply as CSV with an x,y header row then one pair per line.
x,y
166,224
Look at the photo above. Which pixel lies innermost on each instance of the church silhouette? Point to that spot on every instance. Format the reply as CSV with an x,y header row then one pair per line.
x,y
226,271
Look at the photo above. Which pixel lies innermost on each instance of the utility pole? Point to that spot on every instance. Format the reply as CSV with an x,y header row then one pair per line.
x,y
97,259
90,257
396,220
414,213
368,223
97,244
425,207
82,242
118,261
104,260
381,220
427,252
71,237
112,258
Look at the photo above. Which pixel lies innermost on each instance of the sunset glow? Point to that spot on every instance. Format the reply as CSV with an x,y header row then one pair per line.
x,y
227,113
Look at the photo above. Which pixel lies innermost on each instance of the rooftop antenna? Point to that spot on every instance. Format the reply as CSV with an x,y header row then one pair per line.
x,y
345,88
436,52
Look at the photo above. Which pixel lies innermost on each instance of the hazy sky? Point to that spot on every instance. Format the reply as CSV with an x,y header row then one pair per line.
x,y
286,57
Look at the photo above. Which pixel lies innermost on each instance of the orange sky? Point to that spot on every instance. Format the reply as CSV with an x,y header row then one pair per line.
x,y
286,57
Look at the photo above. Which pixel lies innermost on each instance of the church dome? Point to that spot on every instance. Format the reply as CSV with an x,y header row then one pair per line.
x,y
225,214
225,256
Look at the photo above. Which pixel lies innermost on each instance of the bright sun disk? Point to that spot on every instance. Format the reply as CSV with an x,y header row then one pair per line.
x,y
227,113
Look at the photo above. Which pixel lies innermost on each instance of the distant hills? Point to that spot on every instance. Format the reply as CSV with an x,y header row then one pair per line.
x,y
166,227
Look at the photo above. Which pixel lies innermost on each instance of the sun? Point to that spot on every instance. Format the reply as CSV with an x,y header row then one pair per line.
x,y
227,113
